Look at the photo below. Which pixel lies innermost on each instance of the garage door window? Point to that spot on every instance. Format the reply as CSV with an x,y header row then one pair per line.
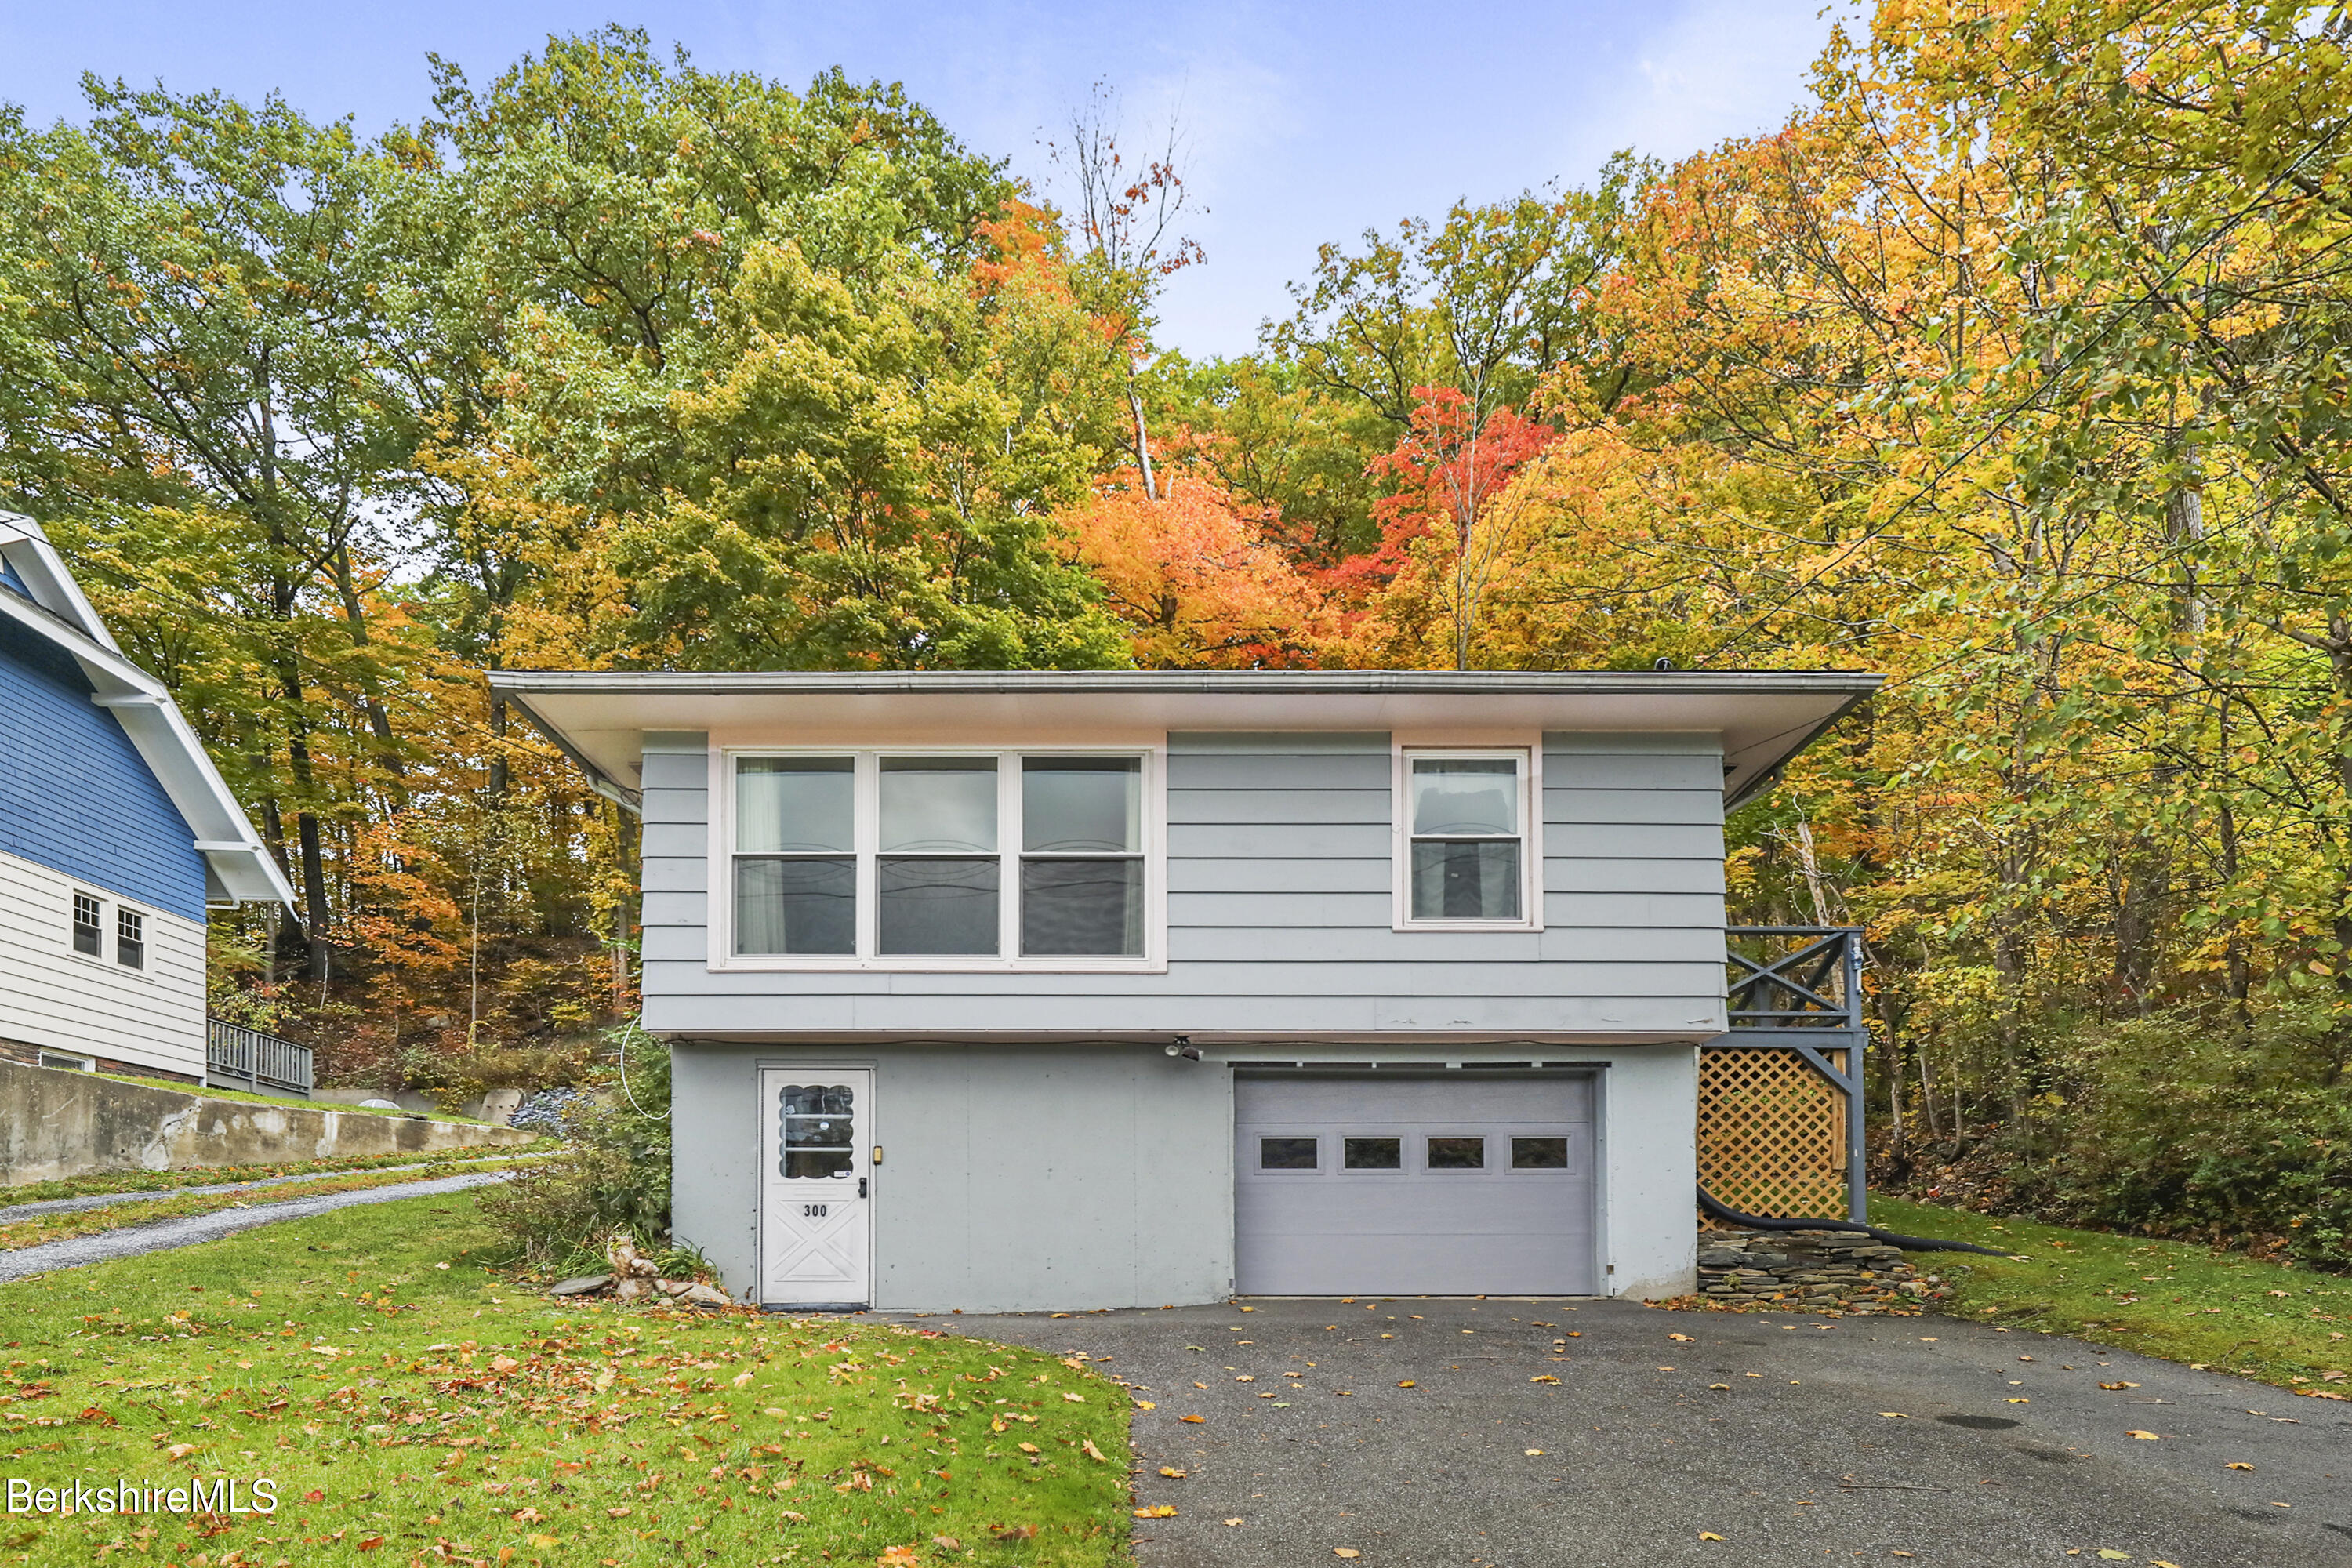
x,y
1286,1153
1457,1153
1538,1153
1372,1153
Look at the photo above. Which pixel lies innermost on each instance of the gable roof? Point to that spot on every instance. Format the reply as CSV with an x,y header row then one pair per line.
x,y
39,594
599,718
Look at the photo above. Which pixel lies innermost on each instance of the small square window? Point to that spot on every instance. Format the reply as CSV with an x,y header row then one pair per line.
x,y
1286,1154
130,939
89,936
1538,1153
1372,1153
1457,1153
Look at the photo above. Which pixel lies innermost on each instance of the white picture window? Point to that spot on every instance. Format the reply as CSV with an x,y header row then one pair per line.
x,y
955,859
1464,842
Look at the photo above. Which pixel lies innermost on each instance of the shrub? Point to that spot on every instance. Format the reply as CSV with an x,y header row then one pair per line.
x,y
614,1180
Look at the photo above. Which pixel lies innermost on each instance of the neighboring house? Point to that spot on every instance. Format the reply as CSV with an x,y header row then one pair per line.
x,y
115,833
1035,989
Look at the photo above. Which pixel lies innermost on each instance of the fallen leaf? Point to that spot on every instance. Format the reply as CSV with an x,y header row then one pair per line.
x,y
314,1496
373,1541
742,1380
1233,1522
1685,1338
2238,1465
1408,1383
2143,1436
1708,1535
1535,1453
180,1450
1199,1384
1246,1377
1157,1510
1195,1420
2015,1400
1725,1386
620,1512
2117,1385
1031,1449
1091,1452
1172,1473
898,1557
1145,1405
1076,1398
1543,1377
947,1543
1894,1415
1017,1532
2109,1554
777,1412
1345,1552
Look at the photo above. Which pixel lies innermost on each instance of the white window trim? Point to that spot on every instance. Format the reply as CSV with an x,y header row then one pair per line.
x,y
865,838
1527,749
110,934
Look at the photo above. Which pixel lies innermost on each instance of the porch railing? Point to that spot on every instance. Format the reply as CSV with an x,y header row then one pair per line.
x,y
1780,1103
240,1057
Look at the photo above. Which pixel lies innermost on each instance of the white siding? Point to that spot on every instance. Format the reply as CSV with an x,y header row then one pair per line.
x,y
54,998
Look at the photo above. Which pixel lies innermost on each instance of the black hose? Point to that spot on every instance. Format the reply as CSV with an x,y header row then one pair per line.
x,y
1721,1210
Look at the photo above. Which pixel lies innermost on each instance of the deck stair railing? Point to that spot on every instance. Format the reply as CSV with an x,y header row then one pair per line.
x,y
240,1057
1781,1107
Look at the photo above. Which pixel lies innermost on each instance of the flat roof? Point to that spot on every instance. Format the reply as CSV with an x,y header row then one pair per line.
x,y
599,718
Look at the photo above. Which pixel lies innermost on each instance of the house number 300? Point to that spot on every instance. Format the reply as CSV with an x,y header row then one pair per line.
x,y
812,1211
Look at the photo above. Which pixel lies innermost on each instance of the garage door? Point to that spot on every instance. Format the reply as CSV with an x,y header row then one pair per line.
x,y
1414,1187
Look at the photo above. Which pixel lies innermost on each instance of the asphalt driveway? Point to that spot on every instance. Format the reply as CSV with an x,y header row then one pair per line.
x,y
1877,1439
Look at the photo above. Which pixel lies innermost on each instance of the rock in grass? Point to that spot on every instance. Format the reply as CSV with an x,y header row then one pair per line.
x,y
585,1285
704,1296
673,1286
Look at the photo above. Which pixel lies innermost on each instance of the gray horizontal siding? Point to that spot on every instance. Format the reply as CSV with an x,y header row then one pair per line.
x,y
1280,909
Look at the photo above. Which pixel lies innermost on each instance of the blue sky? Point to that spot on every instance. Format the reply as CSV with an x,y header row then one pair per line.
x,y
1303,123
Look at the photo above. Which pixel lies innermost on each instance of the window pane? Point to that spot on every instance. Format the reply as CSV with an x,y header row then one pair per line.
x,y
129,939
1286,1153
1479,880
1457,1153
1538,1153
1372,1153
938,806
1457,797
1079,906
792,805
802,905
939,906
87,936
819,1128
1076,805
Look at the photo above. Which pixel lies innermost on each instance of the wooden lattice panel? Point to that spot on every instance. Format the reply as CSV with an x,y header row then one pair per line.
x,y
1772,1132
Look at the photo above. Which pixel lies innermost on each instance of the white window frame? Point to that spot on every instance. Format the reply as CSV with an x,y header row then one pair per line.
x,y
1527,752
110,909
866,837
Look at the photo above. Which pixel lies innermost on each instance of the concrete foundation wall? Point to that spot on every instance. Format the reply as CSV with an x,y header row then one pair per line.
x,y
56,1124
1068,1177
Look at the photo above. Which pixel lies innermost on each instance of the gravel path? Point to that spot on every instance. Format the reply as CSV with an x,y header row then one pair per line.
x,y
165,1234
1418,1433
15,1212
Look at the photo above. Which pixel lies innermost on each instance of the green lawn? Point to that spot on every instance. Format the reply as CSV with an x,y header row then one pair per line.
x,y
40,1229
215,1176
2184,1302
413,1405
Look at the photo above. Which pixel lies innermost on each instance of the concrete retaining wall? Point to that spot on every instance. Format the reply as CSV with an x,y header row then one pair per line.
x,y
58,1124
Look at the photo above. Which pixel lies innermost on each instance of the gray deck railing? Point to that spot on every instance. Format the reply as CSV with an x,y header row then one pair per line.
x,y
240,1057
1799,988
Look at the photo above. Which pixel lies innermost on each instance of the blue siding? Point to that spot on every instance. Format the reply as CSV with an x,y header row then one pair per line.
x,y
75,794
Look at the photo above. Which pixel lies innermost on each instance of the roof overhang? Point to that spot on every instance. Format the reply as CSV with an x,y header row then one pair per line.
x,y
238,868
1762,718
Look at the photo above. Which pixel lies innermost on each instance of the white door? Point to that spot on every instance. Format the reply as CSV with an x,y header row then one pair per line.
x,y
816,1204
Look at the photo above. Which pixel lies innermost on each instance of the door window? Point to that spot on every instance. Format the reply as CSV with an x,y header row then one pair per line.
x,y
1286,1153
1372,1153
1457,1153
1538,1153
819,1122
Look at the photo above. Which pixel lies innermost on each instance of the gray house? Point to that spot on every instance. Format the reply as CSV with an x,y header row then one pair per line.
x,y
1044,990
